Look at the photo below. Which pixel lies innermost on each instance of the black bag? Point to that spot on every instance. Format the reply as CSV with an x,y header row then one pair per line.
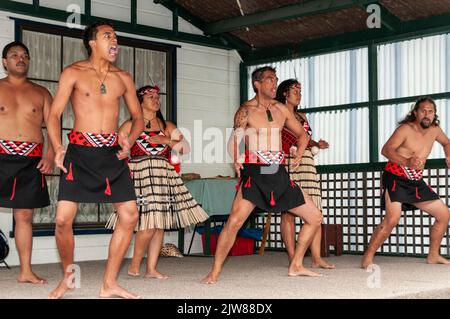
x,y
4,247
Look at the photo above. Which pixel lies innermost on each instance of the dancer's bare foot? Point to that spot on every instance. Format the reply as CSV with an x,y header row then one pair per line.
x,y
60,291
211,278
321,263
366,261
295,271
155,274
30,278
437,259
133,271
115,291
133,274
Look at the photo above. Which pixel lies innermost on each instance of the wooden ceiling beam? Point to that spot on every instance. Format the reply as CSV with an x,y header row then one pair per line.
x,y
292,11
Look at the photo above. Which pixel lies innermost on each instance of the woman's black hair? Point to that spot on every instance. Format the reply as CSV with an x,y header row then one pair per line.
x,y
140,97
283,88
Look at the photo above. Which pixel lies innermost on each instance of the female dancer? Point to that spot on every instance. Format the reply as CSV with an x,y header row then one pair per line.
x,y
163,200
289,93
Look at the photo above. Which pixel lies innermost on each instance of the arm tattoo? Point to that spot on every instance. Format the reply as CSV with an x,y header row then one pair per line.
x,y
241,118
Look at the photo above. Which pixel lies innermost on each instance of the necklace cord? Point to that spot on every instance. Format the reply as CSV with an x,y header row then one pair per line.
x,y
98,76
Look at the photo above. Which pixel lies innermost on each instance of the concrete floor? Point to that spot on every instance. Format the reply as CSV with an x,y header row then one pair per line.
x,y
252,277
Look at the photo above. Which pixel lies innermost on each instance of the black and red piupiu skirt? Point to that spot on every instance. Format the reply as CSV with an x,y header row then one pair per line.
x,y
94,173
406,186
265,182
22,185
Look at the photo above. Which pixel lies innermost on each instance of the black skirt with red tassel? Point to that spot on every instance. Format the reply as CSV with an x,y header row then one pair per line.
x,y
95,175
405,191
21,184
269,188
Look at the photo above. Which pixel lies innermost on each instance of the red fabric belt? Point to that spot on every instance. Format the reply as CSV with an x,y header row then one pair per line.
x,y
21,148
403,171
93,139
264,157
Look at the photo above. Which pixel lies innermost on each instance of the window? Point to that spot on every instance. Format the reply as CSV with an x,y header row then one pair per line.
x,y
405,70
329,80
390,115
345,131
411,68
414,67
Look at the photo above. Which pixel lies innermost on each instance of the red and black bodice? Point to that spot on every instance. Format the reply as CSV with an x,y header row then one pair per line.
x,y
142,147
289,139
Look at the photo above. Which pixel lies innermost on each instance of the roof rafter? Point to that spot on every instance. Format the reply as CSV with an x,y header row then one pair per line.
x,y
227,39
292,11
387,19
61,15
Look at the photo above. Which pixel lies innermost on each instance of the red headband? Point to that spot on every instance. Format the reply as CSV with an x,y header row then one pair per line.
x,y
149,90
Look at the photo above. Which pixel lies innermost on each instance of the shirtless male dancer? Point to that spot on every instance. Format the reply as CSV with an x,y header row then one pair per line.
x,y
263,180
403,187
24,107
93,166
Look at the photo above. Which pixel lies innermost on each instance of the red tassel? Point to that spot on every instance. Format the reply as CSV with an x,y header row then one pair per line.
x,y
13,190
248,183
394,186
238,184
69,176
42,180
175,162
293,184
417,193
272,200
108,189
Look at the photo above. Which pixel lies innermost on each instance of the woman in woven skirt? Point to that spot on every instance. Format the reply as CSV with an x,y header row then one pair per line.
x,y
164,202
289,93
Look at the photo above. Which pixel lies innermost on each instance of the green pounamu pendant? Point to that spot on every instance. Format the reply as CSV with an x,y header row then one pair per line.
x,y
102,89
269,116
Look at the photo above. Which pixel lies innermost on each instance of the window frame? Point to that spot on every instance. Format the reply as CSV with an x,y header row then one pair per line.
x,y
373,103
